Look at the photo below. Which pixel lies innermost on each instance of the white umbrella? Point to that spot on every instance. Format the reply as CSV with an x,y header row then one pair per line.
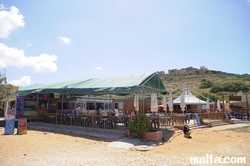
x,y
170,102
164,102
218,105
183,104
154,103
208,105
136,103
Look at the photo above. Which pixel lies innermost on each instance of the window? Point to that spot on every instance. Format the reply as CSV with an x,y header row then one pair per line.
x,y
120,105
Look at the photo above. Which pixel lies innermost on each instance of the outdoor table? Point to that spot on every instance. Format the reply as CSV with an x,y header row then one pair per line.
x,y
104,122
84,119
71,119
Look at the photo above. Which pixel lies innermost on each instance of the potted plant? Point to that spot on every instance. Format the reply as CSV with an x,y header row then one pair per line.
x,y
139,126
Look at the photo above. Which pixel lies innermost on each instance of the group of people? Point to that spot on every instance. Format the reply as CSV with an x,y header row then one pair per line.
x,y
122,113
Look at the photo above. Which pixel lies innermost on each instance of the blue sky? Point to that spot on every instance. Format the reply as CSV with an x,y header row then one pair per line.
x,y
50,41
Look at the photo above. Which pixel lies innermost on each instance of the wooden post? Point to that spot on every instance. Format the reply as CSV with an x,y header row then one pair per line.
x,y
247,106
36,105
223,106
93,120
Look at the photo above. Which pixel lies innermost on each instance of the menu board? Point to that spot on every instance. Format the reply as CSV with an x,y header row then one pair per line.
x,y
9,126
22,126
19,106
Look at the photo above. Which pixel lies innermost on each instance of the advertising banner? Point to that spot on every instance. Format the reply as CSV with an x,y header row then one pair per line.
x,y
40,97
9,126
22,126
19,106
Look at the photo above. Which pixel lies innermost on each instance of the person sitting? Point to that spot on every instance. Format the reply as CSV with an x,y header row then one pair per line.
x,y
121,113
186,131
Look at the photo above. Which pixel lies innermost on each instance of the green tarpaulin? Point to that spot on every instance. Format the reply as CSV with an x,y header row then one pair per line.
x,y
143,83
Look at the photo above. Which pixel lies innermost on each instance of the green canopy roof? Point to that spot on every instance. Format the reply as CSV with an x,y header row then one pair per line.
x,y
143,83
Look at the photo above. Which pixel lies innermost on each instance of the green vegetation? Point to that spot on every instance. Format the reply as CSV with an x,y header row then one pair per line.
x,y
4,92
138,126
216,89
235,87
210,85
206,84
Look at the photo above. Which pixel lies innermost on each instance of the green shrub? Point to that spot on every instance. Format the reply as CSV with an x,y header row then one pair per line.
x,y
235,87
216,89
139,125
206,84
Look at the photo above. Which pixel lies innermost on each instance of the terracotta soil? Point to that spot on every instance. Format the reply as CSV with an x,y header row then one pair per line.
x,y
48,148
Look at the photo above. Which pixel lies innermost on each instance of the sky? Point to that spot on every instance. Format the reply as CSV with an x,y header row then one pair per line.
x,y
52,41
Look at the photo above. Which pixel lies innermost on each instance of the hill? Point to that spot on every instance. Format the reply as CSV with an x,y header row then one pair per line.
x,y
210,84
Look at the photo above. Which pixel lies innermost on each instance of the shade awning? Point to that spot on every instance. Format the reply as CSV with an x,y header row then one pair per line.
x,y
141,83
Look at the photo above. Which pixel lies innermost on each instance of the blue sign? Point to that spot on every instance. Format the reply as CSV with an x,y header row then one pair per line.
x,y
9,126
19,106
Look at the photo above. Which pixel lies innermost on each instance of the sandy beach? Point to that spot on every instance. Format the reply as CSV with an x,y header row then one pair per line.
x,y
48,148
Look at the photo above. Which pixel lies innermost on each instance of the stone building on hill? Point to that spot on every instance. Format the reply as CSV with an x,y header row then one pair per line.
x,y
187,71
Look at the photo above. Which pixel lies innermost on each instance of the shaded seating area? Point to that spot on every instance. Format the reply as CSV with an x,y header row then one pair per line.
x,y
131,84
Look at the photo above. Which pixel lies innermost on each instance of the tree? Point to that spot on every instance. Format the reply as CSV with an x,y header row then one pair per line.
x,y
216,89
206,84
235,87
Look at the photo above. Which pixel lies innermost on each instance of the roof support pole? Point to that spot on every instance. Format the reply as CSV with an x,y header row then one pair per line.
x,y
62,109
36,105
247,106
223,105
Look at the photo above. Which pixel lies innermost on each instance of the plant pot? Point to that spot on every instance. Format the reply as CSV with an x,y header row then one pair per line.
x,y
153,136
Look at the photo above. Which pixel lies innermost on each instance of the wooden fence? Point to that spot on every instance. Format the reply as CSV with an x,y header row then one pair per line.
x,y
120,123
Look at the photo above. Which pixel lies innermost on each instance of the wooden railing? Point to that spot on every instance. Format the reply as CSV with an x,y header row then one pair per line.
x,y
120,123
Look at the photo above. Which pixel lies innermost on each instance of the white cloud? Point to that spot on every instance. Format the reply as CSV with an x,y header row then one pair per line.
x,y
64,39
98,68
25,80
10,21
11,56
29,44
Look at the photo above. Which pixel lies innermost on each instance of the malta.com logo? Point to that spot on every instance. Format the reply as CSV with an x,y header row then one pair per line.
x,y
210,159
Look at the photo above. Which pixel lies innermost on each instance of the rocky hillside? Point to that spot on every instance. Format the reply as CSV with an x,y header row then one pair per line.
x,y
210,84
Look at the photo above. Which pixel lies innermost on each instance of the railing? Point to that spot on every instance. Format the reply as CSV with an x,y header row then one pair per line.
x,y
121,122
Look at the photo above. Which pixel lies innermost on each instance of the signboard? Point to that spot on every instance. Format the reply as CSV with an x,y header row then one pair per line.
x,y
42,112
235,98
40,96
9,126
22,126
19,106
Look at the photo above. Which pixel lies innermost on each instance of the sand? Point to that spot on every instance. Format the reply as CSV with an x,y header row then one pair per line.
x,y
47,148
